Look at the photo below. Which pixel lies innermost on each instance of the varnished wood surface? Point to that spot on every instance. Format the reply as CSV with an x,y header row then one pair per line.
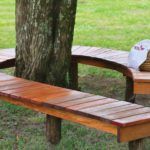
x,y
7,58
101,57
102,113
98,107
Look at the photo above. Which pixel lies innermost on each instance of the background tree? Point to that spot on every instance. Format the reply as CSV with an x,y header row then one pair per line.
x,y
44,35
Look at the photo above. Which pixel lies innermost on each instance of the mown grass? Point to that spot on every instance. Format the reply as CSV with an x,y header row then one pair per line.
x,y
105,23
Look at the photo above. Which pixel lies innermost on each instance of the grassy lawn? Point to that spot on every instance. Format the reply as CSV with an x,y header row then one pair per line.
x,y
117,24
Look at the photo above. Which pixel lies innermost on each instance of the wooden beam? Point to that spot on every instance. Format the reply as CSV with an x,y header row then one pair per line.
x,y
89,122
141,88
53,129
133,132
129,93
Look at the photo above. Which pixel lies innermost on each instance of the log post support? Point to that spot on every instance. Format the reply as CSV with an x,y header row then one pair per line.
x,y
130,97
137,145
73,75
129,94
53,129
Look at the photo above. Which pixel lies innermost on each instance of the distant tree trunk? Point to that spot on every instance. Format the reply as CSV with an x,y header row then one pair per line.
x,y
44,35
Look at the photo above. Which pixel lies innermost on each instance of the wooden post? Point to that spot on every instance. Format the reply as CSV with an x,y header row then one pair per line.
x,y
73,75
129,94
130,97
137,145
53,129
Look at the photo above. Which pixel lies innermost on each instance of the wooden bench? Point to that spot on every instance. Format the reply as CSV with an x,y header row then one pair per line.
x,y
125,120
138,82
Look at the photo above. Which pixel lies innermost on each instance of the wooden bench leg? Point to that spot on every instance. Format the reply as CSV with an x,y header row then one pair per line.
x,y
137,145
130,97
53,129
73,75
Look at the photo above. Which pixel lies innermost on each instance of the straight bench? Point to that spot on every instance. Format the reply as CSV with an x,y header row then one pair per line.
x,y
125,120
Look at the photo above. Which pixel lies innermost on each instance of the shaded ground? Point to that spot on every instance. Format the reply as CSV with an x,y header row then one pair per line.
x,y
109,87
22,129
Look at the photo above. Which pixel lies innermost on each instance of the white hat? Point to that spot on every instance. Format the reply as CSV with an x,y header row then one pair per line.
x,y
138,54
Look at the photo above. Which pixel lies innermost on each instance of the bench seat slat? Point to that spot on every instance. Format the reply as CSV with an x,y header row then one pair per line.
x,y
130,113
80,50
105,106
81,101
109,111
90,51
21,88
140,118
95,52
72,96
93,104
14,85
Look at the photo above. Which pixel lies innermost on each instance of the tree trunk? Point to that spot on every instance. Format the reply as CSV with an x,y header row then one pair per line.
x,y
44,35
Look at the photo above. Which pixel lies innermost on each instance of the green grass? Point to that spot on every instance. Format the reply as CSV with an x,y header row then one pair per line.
x,y
117,24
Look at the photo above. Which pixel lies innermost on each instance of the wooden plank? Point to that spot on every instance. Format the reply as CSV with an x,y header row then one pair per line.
x,y
5,57
39,92
91,50
49,97
130,113
118,109
132,120
11,82
8,52
74,48
14,85
134,132
98,52
80,101
81,50
110,105
4,78
114,54
89,105
73,95
141,88
36,99
117,55
89,122
110,52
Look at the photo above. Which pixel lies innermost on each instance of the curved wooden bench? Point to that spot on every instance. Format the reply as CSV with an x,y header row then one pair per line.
x,y
112,59
125,120
138,82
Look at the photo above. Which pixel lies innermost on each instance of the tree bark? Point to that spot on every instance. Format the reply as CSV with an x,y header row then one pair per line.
x,y
44,35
